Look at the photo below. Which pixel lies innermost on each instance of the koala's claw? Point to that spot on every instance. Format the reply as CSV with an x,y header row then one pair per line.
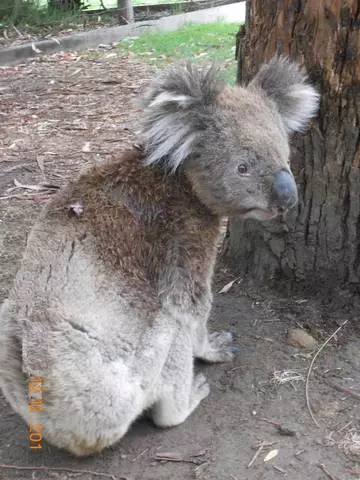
x,y
201,388
219,349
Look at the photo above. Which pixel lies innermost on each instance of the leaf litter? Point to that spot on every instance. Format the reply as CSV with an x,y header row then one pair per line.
x,y
59,112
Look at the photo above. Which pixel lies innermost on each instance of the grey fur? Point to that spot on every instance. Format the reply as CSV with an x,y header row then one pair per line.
x,y
179,105
176,106
285,84
111,302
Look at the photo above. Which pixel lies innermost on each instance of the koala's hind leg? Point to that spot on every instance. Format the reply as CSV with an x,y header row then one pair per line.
x,y
180,392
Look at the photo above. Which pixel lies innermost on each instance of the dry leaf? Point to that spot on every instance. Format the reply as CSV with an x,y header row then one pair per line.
x,y
299,338
227,287
76,208
86,148
105,46
272,454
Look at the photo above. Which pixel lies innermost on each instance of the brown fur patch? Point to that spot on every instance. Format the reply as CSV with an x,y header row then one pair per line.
x,y
146,223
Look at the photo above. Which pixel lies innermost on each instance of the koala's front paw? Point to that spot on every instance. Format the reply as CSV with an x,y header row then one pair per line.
x,y
220,348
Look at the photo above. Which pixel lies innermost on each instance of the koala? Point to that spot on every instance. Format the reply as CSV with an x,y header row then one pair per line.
x,y
110,305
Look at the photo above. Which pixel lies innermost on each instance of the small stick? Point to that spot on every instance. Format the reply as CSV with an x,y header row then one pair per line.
x,y
30,196
281,470
139,455
60,469
123,18
344,427
326,471
174,457
200,466
271,422
257,453
282,430
17,31
310,370
342,389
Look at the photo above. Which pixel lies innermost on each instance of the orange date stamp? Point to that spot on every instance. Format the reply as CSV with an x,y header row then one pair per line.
x,y
35,406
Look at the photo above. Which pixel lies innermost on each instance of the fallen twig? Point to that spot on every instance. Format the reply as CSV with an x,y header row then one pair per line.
x,y
344,427
60,469
123,18
257,453
177,457
139,455
326,471
281,470
17,31
30,196
342,389
38,188
280,428
310,370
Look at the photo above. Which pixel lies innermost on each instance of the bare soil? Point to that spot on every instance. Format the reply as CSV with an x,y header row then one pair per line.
x,y
66,112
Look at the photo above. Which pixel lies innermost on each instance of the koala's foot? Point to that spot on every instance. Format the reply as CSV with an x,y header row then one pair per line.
x,y
219,348
200,390
174,410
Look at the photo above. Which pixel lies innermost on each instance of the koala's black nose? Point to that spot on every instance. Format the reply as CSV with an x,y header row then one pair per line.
x,y
284,193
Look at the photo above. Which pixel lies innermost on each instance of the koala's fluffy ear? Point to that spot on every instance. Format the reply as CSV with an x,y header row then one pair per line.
x,y
285,83
175,106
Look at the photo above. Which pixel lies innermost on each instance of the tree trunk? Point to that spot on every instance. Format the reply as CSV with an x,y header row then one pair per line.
x,y
126,10
320,240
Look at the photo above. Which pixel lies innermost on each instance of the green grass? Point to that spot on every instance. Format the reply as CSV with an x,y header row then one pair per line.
x,y
197,42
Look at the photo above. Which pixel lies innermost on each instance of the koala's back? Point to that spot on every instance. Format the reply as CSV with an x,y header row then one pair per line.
x,y
108,251
79,274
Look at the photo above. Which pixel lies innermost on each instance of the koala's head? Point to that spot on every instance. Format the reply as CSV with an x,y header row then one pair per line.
x,y
232,142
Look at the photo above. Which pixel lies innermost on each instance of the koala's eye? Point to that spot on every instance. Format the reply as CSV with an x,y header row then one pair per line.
x,y
242,168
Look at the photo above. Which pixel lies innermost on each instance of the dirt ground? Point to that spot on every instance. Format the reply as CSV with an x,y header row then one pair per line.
x,y
64,112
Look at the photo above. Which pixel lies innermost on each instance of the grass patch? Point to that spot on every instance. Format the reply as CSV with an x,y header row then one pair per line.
x,y
201,43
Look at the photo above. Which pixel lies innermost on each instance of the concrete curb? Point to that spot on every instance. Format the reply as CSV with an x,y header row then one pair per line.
x,y
233,13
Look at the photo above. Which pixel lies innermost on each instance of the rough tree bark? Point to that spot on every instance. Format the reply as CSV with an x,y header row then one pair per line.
x,y
320,240
126,10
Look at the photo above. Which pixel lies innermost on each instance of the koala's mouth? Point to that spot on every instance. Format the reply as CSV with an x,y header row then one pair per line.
x,y
259,213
